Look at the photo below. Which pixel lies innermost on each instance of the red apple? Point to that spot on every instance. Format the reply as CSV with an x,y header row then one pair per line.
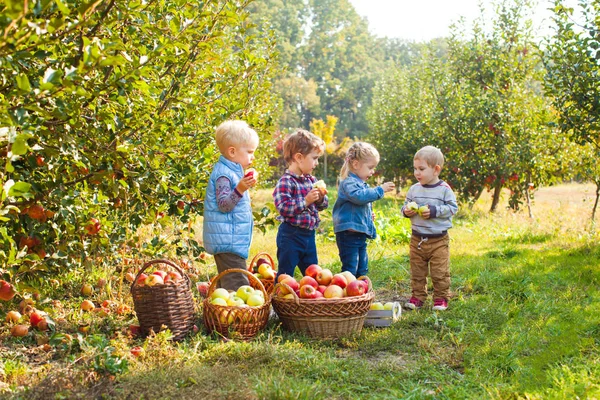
x,y
292,283
251,172
324,277
7,291
162,274
309,292
87,305
355,288
137,351
135,330
37,212
365,281
141,280
173,276
333,292
339,280
281,277
307,280
322,288
35,318
93,226
202,288
180,204
312,270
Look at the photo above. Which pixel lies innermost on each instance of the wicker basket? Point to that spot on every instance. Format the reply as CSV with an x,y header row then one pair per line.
x,y
269,284
170,305
323,318
242,322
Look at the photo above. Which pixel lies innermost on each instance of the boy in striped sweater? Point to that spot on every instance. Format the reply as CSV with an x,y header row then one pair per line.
x,y
430,205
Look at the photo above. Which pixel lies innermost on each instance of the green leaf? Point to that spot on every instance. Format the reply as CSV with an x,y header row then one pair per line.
x,y
23,82
20,146
62,7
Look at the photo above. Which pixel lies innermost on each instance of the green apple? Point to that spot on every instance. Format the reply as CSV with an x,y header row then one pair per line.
x,y
235,301
255,300
220,293
244,292
388,306
422,209
412,206
218,301
377,306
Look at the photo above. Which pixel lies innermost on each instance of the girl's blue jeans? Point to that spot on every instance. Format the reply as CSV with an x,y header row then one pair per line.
x,y
295,247
352,248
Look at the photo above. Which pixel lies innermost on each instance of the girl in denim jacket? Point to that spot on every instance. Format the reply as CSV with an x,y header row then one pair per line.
x,y
353,212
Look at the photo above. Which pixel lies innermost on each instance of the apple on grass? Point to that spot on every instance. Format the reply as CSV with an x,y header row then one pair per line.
x,y
13,316
137,351
312,270
87,305
35,318
87,289
202,288
19,330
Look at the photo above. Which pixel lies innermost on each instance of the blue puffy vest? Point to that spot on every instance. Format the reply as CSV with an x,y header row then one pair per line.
x,y
229,232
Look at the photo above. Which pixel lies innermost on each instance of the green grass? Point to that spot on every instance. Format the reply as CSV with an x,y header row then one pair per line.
x,y
523,322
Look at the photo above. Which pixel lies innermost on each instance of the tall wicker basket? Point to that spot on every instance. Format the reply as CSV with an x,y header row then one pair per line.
x,y
269,284
323,318
242,322
170,305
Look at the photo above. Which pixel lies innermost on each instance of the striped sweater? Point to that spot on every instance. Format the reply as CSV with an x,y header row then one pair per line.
x,y
442,205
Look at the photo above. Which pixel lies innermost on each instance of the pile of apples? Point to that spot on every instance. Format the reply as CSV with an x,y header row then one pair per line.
x,y
159,278
245,296
263,269
27,313
320,283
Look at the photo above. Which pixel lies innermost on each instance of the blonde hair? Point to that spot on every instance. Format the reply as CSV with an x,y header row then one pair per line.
x,y
431,155
303,142
234,133
361,152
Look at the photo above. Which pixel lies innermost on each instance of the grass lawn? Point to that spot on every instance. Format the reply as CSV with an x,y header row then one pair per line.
x,y
523,322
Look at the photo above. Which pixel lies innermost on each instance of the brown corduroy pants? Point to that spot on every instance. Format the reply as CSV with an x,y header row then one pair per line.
x,y
227,261
430,256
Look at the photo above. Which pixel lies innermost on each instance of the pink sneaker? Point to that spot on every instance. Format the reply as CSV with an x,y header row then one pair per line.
x,y
413,304
440,304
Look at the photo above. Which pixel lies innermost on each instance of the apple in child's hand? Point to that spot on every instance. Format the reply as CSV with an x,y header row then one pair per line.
x,y
412,206
422,209
312,270
251,173
320,184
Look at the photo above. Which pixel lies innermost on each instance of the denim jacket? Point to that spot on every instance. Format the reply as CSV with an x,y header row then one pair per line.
x,y
352,209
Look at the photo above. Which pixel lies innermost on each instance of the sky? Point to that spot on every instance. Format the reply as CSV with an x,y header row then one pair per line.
x,y
423,20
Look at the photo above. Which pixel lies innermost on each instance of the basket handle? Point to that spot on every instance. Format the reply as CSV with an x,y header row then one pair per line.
x,y
160,261
213,284
281,284
255,259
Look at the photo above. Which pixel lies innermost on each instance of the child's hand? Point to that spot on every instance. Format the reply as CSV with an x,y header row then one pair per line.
x,y
246,183
388,186
313,196
409,212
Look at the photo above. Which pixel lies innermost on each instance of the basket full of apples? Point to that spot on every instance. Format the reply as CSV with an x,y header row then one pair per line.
x,y
262,267
323,304
163,298
240,314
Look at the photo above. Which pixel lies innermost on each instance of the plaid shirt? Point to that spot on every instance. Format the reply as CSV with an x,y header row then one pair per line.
x,y
289,197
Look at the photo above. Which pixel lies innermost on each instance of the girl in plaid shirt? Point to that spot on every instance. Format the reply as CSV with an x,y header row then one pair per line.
x,y
299,203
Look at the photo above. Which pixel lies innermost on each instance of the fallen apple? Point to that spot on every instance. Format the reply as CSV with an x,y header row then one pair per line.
x,y
19,330
35,318
87,305
7,291
87,290
137,351
13,316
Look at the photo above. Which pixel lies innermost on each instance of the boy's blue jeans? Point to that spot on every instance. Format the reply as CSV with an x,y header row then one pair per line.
x,y
295,247
352,247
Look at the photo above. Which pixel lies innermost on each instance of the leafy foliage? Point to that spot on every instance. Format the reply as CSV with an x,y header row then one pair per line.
x,y
107,115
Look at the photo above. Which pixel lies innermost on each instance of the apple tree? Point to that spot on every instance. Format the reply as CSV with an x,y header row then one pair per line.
x,y
107,117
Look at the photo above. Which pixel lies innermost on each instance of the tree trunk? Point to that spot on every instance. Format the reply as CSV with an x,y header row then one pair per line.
x,y
475,198
596,202
528,197
496,198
